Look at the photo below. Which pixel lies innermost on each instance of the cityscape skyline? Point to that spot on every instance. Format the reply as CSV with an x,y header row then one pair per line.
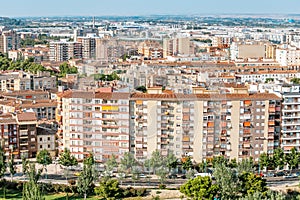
x,y
134,7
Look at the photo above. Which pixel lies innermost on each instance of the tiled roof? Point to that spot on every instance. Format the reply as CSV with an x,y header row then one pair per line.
x,y
259,96
96,95
26,116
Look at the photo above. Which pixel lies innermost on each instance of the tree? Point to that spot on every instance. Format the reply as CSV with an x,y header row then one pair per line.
x,y
219,160
251,183
226,180
292,158
279,158
109,189
264,160
25,163
128,161
135,174
171,161
162,172
2,163
200,188
85,183
141,88
156,160
187,163
44,158
31,189
111,163
11,166
246,165
67,160
233,163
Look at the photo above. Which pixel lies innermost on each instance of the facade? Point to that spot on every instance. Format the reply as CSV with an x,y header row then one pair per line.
x,y
177,46
205,125
9,40
247,50
18,134
290,132
63,51
288,56
88,47
46,140
20,81
93,122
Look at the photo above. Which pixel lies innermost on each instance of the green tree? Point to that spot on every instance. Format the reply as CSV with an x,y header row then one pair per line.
x,y
128,162
44,158
85,183
111,163
2,163
67,160
187,163
11,166
109,189
264,160
141,88
25,163
226,180
32,189
279,158
162,172
219,160
292,158
251,183
135,174
200,188
156,160
171,161
233,163
246,165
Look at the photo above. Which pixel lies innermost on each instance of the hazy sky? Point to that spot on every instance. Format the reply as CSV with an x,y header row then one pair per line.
x,y
144,7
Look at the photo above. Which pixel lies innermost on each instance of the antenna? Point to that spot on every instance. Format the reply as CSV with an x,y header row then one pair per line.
x,y
93,22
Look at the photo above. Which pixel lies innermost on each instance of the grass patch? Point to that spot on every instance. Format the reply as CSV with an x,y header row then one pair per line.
x,y
15,194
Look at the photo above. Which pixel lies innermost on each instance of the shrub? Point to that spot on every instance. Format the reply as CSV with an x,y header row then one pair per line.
x,y
162,186
72,182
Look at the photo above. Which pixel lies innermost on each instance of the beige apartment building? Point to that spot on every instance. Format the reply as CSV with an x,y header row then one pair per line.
x,y
176,46
205,125
96,122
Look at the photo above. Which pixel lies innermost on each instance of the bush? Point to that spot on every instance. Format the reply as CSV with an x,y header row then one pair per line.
x,y
72,182
162,186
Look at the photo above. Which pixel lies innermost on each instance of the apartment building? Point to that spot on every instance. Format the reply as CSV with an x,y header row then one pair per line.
x,y
95,122
44,109
88,46
262,76
46,140
290,133
39,53
20,81
204,125
177,46
18,134
9,40
288,56
63,51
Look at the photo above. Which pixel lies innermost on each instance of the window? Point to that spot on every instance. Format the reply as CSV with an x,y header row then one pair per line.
x,y
48,138
41,146
48,146
41,139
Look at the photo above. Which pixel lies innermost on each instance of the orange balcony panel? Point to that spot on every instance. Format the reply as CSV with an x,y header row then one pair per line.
x,y
247,124
210,124
271,123
272,109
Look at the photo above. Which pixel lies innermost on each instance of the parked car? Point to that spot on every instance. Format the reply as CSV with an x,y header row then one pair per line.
x,y
280,174
172,176
290,176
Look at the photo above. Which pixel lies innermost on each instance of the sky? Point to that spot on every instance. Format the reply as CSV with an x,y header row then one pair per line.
x,y
18,8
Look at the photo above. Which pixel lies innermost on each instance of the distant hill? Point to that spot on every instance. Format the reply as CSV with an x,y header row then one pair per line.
x,y
5,21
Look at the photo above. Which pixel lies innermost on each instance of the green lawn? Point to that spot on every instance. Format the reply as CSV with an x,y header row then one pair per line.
x,y
14,194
